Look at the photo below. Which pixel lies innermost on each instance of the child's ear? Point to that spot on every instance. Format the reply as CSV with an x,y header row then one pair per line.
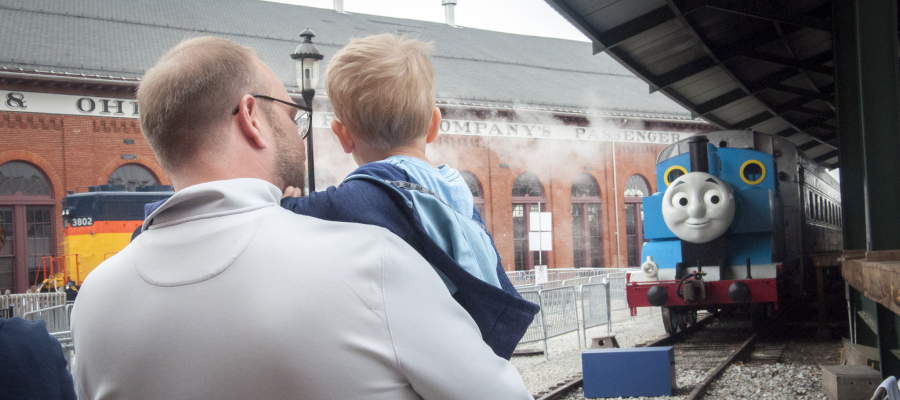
x,y
435,127
343,134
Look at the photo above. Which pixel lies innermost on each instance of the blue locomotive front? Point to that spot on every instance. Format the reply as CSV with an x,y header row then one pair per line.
x,y
712,229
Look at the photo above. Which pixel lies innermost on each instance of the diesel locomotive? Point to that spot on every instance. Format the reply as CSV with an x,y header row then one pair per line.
x,y
736,219
96,225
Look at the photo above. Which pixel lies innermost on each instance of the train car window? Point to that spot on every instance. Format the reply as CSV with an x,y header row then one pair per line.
x,y
674,172
753,172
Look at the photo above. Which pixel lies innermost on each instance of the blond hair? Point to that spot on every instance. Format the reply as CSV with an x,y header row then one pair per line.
x,y
382,88
191,90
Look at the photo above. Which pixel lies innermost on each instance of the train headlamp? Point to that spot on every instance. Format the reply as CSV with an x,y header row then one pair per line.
x,y
649,267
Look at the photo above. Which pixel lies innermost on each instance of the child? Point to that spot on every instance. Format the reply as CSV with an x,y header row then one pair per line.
x,y
382,89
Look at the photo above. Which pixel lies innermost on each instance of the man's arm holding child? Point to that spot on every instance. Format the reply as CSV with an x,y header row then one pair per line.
x,y
438,346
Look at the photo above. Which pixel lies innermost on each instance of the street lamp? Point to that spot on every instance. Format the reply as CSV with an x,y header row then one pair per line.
x,y
307,57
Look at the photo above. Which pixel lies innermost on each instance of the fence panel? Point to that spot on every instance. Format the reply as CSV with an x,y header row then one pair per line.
x,y
559,312
595,310
27,302
617,291
535,331
56,317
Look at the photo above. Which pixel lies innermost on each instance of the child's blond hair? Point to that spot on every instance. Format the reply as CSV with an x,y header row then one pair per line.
x,y
382,88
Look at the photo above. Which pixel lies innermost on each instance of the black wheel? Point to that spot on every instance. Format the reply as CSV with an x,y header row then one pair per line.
x,y
670,320
682,319
691,317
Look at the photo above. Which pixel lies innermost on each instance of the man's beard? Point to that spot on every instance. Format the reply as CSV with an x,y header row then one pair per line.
x,y
289,159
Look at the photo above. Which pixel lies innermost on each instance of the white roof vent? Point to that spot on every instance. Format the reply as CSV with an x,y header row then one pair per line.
x,y
339,6
448,9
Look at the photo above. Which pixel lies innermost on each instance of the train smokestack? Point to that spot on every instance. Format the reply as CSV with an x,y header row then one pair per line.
x,y
339,6
699,153
448,10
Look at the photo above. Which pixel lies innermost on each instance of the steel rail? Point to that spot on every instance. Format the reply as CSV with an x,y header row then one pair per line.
x,y
700,389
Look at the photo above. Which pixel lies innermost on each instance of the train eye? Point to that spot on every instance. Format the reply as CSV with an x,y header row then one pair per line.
x,y
680,200
712,197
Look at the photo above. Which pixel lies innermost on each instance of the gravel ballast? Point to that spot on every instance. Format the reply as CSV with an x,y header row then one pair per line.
x,y
794,380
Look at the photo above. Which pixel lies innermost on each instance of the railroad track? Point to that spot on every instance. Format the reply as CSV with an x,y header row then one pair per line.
x,y
705,349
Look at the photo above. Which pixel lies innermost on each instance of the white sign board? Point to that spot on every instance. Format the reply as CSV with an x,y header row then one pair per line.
x,y
540,241
540,222
540,274
64,104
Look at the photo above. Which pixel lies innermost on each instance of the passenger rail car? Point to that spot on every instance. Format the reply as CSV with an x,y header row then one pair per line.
x,y
737,217
96,225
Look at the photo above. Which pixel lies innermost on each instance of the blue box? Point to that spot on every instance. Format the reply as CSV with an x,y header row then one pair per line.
x,y
630,372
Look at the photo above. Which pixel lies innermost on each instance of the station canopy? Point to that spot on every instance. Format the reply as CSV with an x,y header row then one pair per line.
x,y
765,65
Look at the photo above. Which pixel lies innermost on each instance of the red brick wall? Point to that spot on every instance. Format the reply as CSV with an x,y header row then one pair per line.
x,y
74,151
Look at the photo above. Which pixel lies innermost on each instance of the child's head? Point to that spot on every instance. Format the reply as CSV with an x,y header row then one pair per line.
x,y
382,88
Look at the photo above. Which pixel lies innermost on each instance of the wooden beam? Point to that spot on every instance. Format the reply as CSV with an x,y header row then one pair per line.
x,y
614,36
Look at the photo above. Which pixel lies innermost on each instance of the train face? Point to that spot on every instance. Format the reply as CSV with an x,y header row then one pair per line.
x,y
100,223
718,225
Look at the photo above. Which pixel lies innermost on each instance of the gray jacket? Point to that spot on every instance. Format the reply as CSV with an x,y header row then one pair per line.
x,y
226,295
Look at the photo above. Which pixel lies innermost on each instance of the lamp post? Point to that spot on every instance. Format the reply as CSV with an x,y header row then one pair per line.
x,y
306,58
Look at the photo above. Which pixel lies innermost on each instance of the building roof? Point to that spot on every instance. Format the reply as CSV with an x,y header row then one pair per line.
x,y
761,65
109,38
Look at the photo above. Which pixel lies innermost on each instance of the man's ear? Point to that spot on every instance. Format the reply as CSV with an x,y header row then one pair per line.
x,y
435,127
249,120
343,134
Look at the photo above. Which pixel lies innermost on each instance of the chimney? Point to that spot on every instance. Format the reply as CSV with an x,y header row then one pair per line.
x,y
448,8
339,6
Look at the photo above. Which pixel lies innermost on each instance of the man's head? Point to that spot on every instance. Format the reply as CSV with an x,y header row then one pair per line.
x,y
382,89
186,103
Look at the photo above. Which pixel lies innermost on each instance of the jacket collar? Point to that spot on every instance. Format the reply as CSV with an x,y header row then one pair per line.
x,y
214,199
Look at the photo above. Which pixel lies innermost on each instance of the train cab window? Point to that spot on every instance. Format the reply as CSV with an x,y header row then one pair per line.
x,y
26,215
753,172
132,176
674,172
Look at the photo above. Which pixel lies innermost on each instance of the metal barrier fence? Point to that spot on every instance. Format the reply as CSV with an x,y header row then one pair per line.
x,y
617,292
535,332
558,315
27,302
57,318
522,278
595,307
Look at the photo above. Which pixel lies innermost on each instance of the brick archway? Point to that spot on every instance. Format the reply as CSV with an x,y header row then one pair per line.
x,y
42,164
145,162
43,209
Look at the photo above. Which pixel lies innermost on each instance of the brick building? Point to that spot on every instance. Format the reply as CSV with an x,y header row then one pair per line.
x,y
534,123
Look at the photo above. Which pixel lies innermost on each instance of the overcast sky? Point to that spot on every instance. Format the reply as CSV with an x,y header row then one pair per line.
x,y
526,17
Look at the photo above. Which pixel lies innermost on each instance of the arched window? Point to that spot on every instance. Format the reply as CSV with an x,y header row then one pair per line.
x,y
587,235
26,215
637,186
132,176
635,189
477,191
527,198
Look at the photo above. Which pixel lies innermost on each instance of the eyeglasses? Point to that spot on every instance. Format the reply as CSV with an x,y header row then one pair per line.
x,y
304,123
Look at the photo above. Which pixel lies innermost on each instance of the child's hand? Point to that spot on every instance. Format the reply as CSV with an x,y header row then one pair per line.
x,y
291,191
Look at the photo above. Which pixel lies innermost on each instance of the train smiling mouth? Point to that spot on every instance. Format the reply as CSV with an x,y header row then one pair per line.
x,y
698,224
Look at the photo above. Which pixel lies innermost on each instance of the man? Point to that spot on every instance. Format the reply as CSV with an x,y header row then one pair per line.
x,y
32,365
225,295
